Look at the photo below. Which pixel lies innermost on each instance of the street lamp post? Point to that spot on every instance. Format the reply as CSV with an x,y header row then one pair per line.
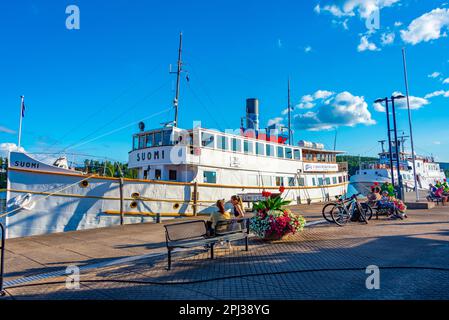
x,y
396,143
389,137
386,100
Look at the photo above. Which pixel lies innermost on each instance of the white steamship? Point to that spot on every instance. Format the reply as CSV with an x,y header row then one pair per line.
x,y
180,173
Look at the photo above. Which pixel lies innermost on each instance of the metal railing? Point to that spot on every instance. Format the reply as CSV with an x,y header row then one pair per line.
x,y
2,258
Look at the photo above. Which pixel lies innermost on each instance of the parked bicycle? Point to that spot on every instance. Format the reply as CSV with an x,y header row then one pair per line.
x,y
348,202
352,210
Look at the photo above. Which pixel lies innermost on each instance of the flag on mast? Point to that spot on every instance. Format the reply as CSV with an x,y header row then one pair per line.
x,y
23,107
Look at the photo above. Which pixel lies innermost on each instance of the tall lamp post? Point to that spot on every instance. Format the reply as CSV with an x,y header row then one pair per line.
x,y
395,130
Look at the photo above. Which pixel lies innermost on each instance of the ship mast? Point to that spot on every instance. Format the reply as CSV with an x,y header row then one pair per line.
x,y
289,116
178,81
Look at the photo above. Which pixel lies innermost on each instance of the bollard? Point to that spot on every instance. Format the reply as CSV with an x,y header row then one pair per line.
x,y
158,217
2,259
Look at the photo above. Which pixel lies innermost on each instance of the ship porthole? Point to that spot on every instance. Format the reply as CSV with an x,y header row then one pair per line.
x,y
84,184
135,195
176,206
133,205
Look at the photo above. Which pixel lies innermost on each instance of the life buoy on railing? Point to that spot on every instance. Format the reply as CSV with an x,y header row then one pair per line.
x,y
24,202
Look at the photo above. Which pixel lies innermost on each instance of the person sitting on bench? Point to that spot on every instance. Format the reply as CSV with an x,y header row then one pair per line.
x,y
219,215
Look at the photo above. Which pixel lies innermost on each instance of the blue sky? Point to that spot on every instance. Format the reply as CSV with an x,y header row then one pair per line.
x,y
113,71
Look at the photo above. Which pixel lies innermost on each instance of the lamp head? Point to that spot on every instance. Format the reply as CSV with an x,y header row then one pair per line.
x,y
379,100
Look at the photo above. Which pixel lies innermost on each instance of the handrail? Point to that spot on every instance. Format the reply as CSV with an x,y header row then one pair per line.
x,y
2,258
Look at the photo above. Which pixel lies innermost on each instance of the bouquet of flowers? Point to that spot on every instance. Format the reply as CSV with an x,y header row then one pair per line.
x,y
400,205
273,221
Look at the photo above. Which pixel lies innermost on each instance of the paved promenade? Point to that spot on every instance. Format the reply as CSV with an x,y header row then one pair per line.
x,y
322,262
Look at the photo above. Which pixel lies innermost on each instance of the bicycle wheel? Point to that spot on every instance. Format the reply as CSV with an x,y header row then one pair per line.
x,y
340,216
326,212
368,211
362,213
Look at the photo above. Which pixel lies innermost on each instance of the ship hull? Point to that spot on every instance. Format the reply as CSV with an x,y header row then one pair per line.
x,y
62,202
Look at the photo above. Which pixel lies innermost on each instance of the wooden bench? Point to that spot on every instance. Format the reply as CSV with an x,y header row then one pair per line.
x,y
192,234
433,198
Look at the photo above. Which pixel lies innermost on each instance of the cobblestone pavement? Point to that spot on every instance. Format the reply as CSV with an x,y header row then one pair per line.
x,y
322,262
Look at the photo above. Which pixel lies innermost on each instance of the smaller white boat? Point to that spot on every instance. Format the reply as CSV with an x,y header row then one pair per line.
x,y
427,171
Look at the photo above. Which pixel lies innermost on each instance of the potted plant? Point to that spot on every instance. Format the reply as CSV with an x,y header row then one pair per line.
x,y
272,221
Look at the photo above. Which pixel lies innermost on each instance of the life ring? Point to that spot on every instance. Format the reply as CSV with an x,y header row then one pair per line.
x,y
24,202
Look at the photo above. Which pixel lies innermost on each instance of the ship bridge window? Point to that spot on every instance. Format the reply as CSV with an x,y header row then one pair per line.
x,y
157,139
141,142
260,149
166,138
135,142
334,180
210,176
222,142
302,182
320,181
297,154
149,140
207,140
248,147
280,152
269,150
236,145
157,174
288,153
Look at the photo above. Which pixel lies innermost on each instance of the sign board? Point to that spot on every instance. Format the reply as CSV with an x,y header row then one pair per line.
x,y
320,167
157,155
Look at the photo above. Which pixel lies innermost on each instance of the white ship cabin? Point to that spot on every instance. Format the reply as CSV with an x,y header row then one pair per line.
x,y
208,156
427,170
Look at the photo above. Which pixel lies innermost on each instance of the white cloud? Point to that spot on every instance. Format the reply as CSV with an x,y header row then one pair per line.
x,y
6,130
437,94
429,26
437,142
445,81
379,107
322,94
415,102
364,8
277,120
343,109
434,75
366,45
307,49
6,147
398,24
387,38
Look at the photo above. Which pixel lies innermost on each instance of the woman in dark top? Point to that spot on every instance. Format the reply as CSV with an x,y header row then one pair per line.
x,y
239,212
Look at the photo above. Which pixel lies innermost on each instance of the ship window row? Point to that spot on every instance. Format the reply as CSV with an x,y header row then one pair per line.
x,y
314,156
209,140
153,139
270,181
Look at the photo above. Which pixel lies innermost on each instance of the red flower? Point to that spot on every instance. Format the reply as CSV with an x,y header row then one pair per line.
x,y
281,189
266,194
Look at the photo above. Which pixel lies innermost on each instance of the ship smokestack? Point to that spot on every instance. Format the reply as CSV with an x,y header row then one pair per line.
x,y
252,114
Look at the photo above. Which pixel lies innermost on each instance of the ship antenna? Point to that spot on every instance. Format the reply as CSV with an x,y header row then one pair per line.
x,y
178,81
289,115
